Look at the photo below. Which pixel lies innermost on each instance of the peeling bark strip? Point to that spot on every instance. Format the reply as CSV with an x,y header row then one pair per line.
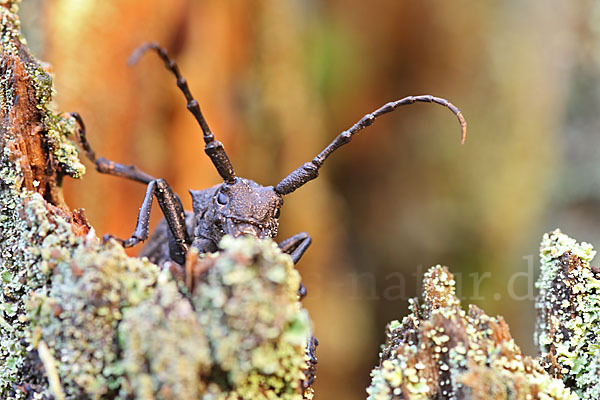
x,y
83,320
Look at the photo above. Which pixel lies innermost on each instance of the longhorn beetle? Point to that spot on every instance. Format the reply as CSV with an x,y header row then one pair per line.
x,y
235,207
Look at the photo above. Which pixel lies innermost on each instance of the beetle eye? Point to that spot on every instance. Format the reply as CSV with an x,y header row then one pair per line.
x,y
277,213
222,198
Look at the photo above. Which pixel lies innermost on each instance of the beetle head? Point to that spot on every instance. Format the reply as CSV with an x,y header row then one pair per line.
x,y
242,207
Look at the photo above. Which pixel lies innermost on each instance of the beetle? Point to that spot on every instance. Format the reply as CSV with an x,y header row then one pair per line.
x,y
238,206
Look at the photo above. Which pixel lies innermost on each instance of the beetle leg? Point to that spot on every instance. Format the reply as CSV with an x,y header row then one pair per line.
x,y
302,291
172,209
311,371
106,166
295,246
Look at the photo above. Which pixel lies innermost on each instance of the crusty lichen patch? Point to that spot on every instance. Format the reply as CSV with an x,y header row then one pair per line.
x,y
440,351
79,313
242,336
118,327
121,329
253,320
65,289
568,305
35,226
34,240
165,351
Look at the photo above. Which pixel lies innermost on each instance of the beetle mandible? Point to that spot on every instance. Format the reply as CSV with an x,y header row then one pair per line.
x,y
235,207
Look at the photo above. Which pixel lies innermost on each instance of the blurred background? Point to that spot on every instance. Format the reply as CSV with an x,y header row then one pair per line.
x,y
278,80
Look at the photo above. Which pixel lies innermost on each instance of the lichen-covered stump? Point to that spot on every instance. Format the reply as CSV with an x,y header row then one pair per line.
x,y
82,320
439,351
568,305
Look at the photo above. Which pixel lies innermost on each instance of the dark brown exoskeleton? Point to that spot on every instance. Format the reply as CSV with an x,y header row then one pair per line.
x,y
236,207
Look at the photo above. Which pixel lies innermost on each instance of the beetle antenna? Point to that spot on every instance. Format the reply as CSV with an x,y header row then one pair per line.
x,y
310,170
213,148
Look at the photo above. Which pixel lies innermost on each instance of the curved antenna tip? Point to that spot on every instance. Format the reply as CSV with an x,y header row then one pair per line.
x,y
463,127
139,52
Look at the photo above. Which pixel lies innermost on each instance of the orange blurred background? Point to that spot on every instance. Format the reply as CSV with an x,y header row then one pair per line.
x,y
278,80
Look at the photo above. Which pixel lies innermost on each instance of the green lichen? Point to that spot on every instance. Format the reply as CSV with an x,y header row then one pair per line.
x,y
10,39
244,338
65,289
117,327
165,351
78,315
120,329
60,130
252,319
568,330
30,241
32,236
105,315
440,351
